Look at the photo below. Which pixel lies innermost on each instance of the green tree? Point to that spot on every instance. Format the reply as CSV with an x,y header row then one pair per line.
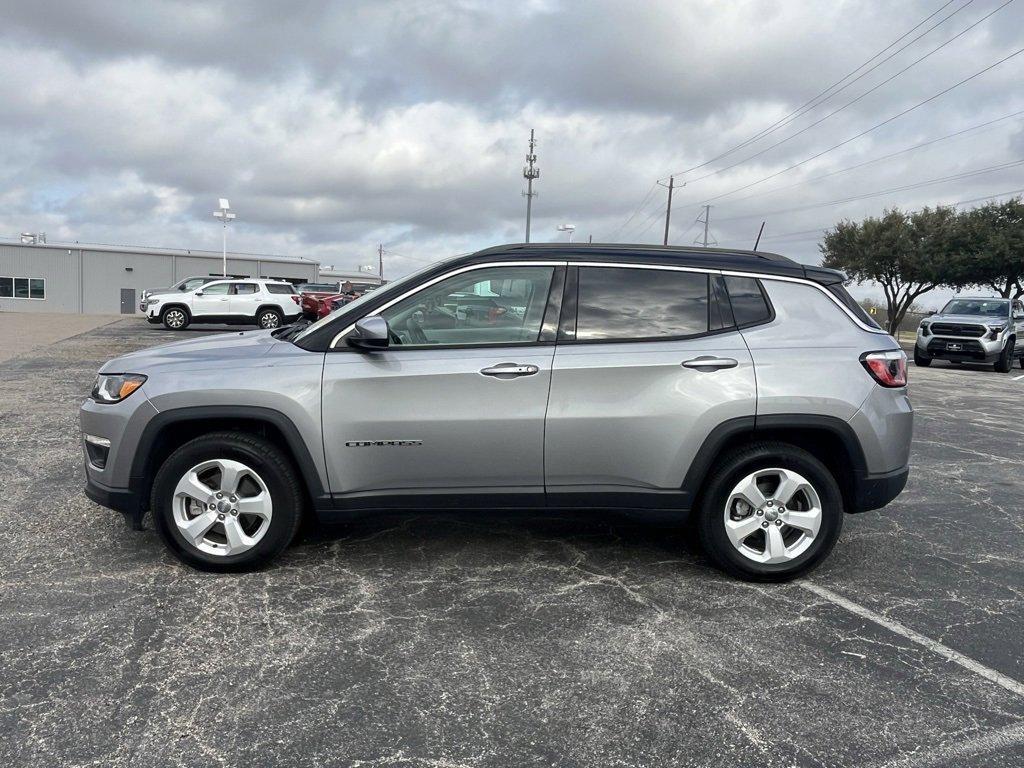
x,y
907,255
993,248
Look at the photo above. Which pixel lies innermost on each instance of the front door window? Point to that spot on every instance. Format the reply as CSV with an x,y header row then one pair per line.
x,y
494,305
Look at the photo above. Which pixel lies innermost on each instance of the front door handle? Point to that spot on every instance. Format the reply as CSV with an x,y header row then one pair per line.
x,y
706,363
510,370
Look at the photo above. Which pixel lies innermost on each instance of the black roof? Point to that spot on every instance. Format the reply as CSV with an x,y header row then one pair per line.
x,y
669,255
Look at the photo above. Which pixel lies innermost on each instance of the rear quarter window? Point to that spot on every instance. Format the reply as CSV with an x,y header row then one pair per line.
x,y
749,304
280,288
840,292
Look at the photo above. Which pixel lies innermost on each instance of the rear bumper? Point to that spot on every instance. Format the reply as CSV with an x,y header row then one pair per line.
x,y
874,491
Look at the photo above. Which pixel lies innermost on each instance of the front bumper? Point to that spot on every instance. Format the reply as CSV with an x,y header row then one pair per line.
x,y
972,350
119,499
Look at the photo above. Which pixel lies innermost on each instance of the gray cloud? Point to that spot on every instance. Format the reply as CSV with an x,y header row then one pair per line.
x,y
332,126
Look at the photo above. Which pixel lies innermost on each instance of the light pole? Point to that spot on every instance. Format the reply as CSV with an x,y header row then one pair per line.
x,y
570,228
226,217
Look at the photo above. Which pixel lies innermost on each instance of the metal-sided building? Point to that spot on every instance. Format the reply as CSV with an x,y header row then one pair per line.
x,y
106,279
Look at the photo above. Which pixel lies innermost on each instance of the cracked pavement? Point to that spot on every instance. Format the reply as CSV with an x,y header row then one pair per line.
x,y
448,640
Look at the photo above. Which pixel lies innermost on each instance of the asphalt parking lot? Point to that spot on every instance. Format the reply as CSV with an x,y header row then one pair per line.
x,y
512,640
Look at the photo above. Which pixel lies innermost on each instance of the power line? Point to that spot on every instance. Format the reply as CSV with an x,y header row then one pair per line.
x,y
989,197
810,104
853,101
889,156
866,195
800,235
643,202
875,127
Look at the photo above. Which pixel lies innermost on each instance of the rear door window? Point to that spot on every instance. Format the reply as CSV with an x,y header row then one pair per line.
x,y
629,304
242,289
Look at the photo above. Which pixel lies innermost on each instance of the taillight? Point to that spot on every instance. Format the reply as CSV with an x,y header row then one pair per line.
x,y
887,368
296,299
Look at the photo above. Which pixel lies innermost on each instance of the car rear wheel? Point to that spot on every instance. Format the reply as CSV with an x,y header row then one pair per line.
x,y
770,512
175,318
268,318
227,501
920,360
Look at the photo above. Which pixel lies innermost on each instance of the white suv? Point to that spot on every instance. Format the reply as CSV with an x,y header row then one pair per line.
x,y
266,303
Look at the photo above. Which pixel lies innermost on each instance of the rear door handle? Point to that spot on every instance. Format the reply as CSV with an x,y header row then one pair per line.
x,y
510,370
706,363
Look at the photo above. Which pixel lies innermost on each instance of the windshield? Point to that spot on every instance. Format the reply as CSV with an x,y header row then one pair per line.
x,y
354,306
983,307
319,287
191,283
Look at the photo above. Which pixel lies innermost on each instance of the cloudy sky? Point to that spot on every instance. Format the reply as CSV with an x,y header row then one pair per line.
x,y
333,126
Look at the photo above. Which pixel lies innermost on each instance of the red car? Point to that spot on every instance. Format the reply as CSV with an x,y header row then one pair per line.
x,y
318,299
314,308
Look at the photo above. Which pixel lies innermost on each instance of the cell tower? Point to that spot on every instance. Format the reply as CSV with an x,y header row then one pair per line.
x,y
530,172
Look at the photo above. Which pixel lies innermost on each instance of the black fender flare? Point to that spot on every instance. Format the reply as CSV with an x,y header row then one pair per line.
x,y
752,427
143,471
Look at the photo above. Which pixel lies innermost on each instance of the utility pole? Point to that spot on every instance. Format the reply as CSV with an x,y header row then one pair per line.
x,y
530,172
380,262
668,207
705,218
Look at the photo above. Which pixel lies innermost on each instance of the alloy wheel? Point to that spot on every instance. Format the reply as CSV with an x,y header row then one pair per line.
x,y
269,320
773,515
175,318
222,507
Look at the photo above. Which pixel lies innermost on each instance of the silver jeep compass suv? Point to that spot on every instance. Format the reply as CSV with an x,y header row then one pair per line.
x,y
741,388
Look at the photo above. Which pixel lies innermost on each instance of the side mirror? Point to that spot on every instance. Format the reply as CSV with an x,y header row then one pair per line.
x,y
930,313
370,333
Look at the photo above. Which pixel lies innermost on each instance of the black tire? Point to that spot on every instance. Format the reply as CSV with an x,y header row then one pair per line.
x,y
921,361
729,471
1005,362
264,458
268,319
170,318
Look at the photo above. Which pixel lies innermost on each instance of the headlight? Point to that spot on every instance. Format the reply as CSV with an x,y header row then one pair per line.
x,y
151,302
924,329
995,330
115,387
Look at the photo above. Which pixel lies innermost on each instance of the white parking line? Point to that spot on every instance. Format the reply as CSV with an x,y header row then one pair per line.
x,y
1018,378
935,646
954,752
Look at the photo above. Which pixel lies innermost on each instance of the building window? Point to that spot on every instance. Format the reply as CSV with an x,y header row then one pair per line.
x,y
22,288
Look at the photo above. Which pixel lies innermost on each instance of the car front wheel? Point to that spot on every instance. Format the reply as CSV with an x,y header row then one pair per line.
x,y
268,318
1005,362
226,501
920,360
175,319
770,512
